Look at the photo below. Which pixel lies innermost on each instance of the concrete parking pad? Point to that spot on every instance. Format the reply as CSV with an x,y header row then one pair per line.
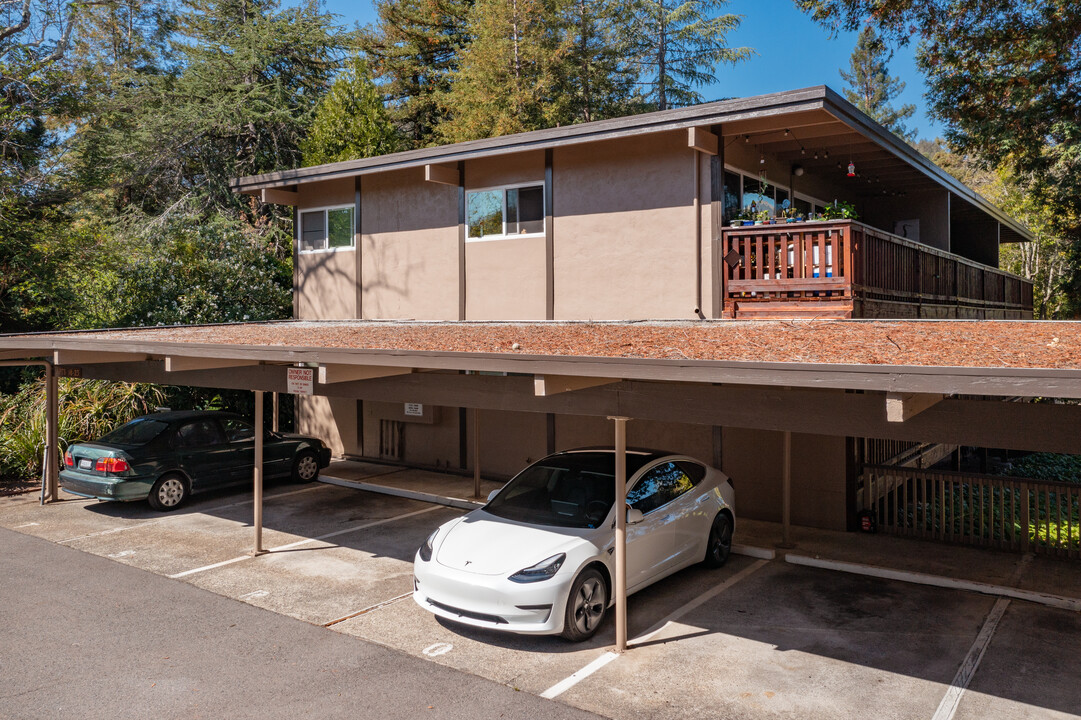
x,y
796,642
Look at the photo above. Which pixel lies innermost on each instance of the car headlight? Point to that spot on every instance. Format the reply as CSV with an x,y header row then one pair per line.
x,y
541,571
428,546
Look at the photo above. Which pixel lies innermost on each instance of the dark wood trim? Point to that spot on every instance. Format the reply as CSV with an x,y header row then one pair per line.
x,y
461,241
360,425
852,472
358,246
718,447
296,262
549,240
716,211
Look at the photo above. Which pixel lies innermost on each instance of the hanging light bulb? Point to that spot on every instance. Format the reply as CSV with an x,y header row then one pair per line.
x,y
746,138
786,132
826,154
816,154
851,169
761,159
802,150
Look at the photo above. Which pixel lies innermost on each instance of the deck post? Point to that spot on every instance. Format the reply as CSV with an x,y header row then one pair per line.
x,y
621,532
275,423
257,476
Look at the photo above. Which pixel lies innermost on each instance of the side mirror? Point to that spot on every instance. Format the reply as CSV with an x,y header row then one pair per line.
x,y
634,515
492,494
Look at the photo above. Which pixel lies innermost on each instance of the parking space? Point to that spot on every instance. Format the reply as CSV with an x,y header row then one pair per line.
x,y
755,639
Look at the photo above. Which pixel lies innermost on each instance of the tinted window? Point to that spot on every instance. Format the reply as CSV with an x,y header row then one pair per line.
x,y
312,230
732,194
237,430
525,210
575,490
137,432
694,471
484,213
201,433
658,487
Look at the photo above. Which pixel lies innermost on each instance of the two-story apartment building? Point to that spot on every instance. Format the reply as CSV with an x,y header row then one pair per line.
x,y
636,219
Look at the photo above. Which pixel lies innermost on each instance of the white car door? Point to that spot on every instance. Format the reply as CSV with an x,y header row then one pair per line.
x,y
651,543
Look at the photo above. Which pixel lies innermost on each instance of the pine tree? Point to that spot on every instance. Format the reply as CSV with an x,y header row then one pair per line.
x,y
508,73
870,87
596,79
678,45
351,121
414,50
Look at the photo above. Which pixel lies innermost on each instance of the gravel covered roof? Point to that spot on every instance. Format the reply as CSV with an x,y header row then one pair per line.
x,y
976,344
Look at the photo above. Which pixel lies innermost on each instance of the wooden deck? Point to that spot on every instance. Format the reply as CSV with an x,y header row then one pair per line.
x,y
846,269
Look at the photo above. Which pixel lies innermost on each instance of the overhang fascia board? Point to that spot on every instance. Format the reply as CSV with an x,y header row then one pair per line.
x,y
91,356
1023,382
186,363
547,385
339,373
22,354
846,112
901,407
761,106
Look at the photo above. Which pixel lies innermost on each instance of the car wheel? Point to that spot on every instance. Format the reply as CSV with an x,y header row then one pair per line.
x,y
305,467
168,493
719,544
586,606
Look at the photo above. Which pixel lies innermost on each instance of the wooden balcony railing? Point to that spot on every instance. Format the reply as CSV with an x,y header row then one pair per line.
x,y
848,269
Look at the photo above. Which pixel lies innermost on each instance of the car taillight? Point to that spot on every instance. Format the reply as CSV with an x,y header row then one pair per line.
x,y
111,465
68,460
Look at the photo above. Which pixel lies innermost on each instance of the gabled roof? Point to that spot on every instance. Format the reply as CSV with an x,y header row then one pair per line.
x,y
819,105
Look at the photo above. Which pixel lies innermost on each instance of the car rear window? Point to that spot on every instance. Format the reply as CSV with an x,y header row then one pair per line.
x,y
137,432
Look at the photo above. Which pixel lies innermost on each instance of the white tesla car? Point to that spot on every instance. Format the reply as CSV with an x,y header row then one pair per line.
x,y
538,558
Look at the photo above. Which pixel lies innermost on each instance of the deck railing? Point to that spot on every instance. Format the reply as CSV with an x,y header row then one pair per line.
x,y
990,511
847,262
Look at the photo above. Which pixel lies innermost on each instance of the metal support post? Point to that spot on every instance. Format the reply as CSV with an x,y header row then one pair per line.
x,y
621,533
476,452
257,475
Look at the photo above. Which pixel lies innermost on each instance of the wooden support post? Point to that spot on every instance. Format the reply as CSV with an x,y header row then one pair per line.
x,y
1025,518
476,452
257,476
621,532
275,421
786,492
52,424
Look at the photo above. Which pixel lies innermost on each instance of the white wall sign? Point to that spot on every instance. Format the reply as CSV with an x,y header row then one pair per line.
x,y
300,381
414,409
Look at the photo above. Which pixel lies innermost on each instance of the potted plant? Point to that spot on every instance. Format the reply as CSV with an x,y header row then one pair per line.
x,y
839,211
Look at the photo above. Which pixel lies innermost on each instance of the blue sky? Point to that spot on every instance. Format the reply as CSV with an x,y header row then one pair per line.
x,y
793,52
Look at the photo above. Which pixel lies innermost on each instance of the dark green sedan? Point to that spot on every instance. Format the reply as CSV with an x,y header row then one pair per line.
x,y
165,457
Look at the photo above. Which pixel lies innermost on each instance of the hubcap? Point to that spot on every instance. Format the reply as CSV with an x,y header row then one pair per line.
x,y
170,492
722,539
307,467
589,605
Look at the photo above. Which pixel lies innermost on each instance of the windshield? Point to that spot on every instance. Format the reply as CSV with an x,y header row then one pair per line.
x,y
575,490
137,432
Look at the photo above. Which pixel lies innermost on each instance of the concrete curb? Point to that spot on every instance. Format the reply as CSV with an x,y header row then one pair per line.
x,y
755,552
1058,601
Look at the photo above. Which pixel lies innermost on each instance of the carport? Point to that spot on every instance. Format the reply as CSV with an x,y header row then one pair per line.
x,y
958,382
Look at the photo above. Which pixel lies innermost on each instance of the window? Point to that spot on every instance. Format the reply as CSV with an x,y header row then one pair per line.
x,y
326,229
758,192
505,212
658,487
201,433
731,194
237,430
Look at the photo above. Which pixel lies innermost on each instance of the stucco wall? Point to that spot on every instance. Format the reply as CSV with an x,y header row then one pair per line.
x,y
409,247
752,458
624,229
331,419
508,441
435,444
505,279
326,281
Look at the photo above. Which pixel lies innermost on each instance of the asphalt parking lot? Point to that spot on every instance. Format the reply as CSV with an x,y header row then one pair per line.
x,y
756,639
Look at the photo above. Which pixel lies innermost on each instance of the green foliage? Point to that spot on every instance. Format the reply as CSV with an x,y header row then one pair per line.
x,y
1047,466
88,410
508,73
677,45
870,87
414,50
350,121
842,210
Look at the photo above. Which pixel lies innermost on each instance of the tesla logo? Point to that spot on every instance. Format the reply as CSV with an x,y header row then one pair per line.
x,y
468,562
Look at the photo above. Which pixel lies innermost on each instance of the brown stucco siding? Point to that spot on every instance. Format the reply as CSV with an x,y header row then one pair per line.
x,y
505,279
624,229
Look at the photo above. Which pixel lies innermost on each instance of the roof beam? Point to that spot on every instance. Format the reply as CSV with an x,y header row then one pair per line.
x,y
20,354
547,385
330,374
773,123
180,363
89,357
900,407
441,174
702,140
277,196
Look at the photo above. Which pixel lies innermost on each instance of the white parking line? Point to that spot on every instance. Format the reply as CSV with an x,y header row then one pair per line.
x,y
110,531
948,707
567,683
305,541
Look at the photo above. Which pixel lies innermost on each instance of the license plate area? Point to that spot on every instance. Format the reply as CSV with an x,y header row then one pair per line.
x,y
85,464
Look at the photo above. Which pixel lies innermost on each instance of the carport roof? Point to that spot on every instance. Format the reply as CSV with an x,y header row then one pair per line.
x,y
1030,358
